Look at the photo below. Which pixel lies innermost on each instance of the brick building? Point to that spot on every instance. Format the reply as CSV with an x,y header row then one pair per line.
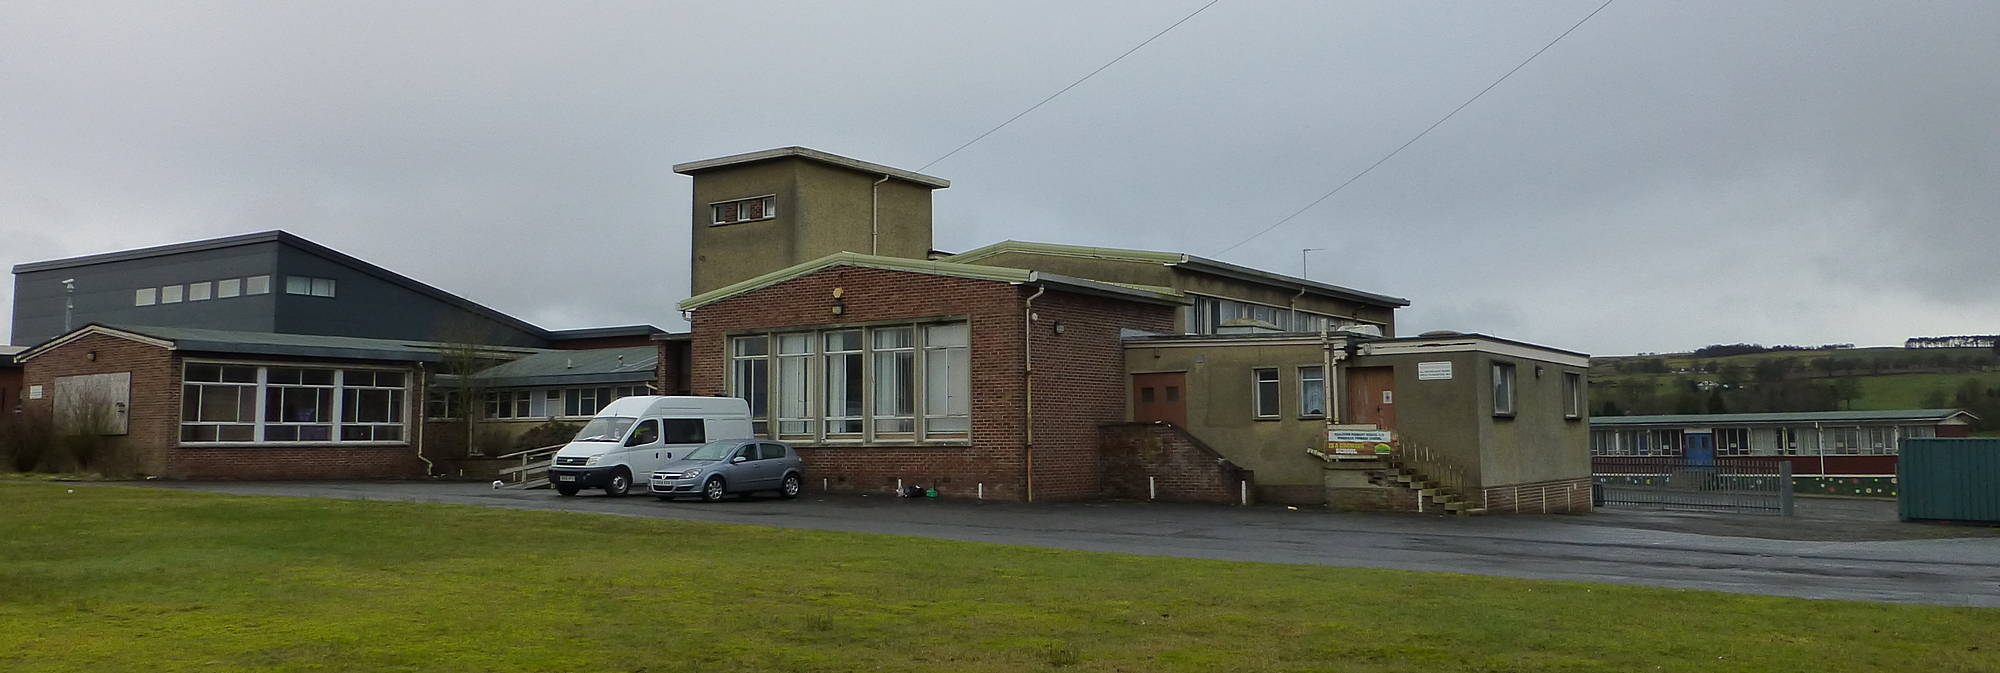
x,y
1016,370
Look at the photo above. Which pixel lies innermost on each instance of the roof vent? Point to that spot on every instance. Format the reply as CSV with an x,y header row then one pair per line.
x,y
569,363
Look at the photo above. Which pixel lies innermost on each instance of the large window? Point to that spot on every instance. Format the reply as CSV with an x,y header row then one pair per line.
x,y
251,404
1732,441
894,382
1264,390
544,403
1209,315
1503,388
1312,391
313,287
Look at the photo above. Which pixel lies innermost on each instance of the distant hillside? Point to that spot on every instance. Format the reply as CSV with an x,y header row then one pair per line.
x,y
1819,379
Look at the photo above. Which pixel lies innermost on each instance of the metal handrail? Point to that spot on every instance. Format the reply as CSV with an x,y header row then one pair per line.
x,y
530,459
552,447
1433,465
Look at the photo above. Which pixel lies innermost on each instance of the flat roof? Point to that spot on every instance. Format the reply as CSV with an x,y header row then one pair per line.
x,y
605,332
936,268
693,167
1784,417
1179,259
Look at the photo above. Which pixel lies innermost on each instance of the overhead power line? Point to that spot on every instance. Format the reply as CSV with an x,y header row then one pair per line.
x,y
1072,85
1420,135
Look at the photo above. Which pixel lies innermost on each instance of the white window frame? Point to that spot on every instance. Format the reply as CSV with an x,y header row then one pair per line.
x,y
200,291
1505,402
1257,393
1572,395
819,384
411,383
172,294
228,287
770,205
146,296
1321,378
256,285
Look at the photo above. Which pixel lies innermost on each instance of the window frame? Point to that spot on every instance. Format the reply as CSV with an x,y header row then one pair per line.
x,y
228,288
1321,379
263,386
257,285
768,202
1509,373
173,294
146,296
1573,403
831,429
1257,400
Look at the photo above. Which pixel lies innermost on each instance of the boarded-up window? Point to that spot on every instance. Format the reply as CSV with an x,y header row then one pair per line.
x,y
100,400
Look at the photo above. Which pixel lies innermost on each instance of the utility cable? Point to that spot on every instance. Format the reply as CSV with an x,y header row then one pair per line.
x,y
1072,85
1399,148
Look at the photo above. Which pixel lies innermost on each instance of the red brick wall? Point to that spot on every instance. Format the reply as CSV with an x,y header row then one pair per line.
x,y
1079,376
153,418
1080,384
153,429
1180,467
670,375
10,387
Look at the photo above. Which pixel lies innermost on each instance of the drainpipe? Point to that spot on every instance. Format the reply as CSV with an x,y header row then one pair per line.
x,y
1293,305
1028,379
423,380
1332,391
875,216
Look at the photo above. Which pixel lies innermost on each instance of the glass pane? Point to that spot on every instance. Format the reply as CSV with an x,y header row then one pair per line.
x,y
388,433
257,285
200,291
947,382
219,403
239,374
190,403
894,388
752,383
793,344
751,345
170,294
281,433
322,287
315,433
236,433
316,377
145,296
279,375
357,377
298,285
684,431
898,337
228,287
792,396
203,373
845,340
843,392
954,334
356,433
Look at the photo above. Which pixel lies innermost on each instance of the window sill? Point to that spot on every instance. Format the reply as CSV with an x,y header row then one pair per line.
x,y
289,445
1267,418
1572,419
1314,417
1504,415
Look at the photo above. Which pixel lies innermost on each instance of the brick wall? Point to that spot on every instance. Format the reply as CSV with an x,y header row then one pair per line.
x,y
1180,467
10,387
670,375
153,416
153,426
1080,385
1542,497
1079,377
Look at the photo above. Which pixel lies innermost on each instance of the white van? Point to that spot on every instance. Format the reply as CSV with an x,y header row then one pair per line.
x,y
633,436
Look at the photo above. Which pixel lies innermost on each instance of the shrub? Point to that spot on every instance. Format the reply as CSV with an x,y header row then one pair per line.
x,y
547,434
24,439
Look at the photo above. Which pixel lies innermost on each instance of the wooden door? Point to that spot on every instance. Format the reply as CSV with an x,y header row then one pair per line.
x,y
1371,397
1160,397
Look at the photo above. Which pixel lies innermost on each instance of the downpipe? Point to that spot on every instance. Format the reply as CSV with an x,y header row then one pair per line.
x,y
1028,383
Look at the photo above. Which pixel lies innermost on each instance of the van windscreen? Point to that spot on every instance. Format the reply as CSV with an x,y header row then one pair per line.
x,y
605,429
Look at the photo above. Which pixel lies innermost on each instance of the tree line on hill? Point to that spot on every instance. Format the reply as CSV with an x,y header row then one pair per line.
x,y
1965,341
1763,395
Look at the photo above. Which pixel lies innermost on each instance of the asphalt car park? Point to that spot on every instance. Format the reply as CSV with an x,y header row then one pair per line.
x,y
1833,550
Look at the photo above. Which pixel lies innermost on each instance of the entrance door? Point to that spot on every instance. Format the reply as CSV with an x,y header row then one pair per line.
x,y
1160,397
1700,448
1371,397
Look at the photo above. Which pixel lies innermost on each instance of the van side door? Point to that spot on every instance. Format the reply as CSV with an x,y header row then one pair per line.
x,y
641,452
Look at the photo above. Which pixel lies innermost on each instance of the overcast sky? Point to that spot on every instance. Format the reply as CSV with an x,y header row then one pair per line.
x,y
1670,175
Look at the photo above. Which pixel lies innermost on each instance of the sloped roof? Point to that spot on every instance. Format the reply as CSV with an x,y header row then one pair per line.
x,y
935,268
595,365
1785,417
275,344
1178,259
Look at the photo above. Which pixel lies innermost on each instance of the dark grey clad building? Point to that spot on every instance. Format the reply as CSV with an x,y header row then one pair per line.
x,y
264,282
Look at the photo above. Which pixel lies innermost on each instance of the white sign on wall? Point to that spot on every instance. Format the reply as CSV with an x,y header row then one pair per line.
x,y
1434,371
34,392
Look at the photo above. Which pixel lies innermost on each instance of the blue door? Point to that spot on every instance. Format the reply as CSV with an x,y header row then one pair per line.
x,y
1701,448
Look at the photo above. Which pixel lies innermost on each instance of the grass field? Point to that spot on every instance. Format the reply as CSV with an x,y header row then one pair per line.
x,y
132,579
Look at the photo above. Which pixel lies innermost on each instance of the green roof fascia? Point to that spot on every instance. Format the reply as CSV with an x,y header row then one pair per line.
x,y
937,268
1122,254
1782,417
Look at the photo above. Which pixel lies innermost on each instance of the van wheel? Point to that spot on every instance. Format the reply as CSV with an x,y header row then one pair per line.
x,y
712,491
790,489
620,484
566,489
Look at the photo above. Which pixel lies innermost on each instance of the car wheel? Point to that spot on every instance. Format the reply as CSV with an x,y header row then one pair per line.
x,y
620,484
790,489
566,489
713,491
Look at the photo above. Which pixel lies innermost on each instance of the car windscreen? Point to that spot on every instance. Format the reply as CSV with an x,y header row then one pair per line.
x,y
605,429
716,450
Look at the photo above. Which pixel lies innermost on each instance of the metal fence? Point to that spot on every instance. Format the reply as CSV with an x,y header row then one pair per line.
x,y
1748,485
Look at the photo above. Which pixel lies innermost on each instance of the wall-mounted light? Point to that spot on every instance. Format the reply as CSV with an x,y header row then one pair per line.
x,y
839,304
1538,371
91,356
1058,327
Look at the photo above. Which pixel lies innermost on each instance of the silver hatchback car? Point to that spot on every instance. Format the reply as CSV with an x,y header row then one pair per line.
x,y
726,466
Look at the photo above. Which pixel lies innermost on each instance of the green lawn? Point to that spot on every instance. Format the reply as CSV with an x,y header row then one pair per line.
x,y
117,579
